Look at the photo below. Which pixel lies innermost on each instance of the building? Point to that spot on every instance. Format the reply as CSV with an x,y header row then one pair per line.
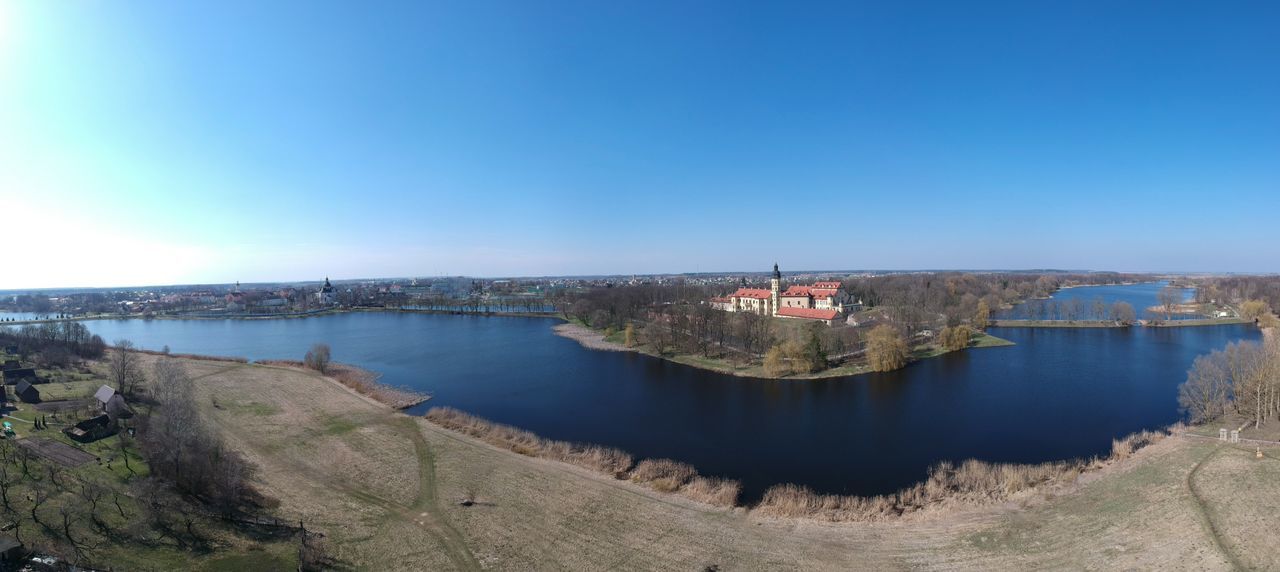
x,y
822,301
16,375
26,392
92,429
326,296
112,403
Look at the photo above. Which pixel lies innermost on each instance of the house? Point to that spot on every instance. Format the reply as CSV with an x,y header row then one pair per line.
x,y
10,364
10,550
27,392
112,403
92,429
12,376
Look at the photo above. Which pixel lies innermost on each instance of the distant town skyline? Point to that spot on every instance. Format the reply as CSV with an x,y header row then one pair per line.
x,y
155,143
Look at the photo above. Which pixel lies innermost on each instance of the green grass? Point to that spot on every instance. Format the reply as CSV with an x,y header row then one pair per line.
x,y
338,426
985,340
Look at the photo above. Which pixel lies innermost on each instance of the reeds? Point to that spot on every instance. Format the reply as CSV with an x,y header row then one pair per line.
x,y
193,356
970,483
663,475
363,382
604,460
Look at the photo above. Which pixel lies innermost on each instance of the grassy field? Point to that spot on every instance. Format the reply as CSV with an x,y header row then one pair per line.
x,y
385,487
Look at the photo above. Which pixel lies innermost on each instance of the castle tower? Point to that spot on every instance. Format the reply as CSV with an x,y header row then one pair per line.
x,y
775,284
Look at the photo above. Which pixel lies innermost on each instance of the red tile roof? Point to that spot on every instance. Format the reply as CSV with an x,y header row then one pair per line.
x,y
757,293
797,291
809,313
827,285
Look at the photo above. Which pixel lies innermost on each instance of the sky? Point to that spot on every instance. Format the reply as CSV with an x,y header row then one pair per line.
x,y
209,142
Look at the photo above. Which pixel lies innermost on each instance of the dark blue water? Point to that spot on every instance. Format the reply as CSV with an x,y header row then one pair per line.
x,y
1058,394
1140,296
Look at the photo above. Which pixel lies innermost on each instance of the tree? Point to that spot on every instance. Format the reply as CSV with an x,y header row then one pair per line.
x,y
1123,313
775,361
318,357
982,316
1099,308
1254,309
955,338
1206,394
1169,297
124,367
886,348
629,335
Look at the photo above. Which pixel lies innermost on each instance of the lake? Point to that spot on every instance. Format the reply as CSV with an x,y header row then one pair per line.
x,y
1140,296
1057,394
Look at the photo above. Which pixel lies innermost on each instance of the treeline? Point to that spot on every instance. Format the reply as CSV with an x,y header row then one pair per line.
x,y
1239,289
1243,377
54,343
183,450
935,299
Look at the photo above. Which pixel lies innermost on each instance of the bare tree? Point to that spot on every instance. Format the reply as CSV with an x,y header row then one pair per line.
x,y
124,367
1206,395
1123,312
318,357
1169,297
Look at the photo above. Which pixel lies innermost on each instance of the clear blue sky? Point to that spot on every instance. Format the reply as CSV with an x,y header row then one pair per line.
x,y
176,142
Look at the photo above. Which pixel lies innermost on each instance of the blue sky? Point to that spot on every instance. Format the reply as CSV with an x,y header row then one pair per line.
x,y
178,142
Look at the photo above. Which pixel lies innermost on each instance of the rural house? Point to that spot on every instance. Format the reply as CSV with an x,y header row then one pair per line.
x,y
27,392
92,429
12,376
112,403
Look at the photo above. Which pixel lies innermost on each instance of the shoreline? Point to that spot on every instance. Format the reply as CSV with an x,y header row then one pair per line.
x,y
1094,324
951,487
288,316
595,340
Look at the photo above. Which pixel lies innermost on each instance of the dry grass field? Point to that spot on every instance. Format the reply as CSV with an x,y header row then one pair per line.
x,y
385,489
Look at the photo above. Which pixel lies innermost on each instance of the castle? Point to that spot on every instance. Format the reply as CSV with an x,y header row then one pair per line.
x,y
823,301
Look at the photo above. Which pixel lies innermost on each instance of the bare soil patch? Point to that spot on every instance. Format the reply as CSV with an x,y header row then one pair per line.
x,y
588,337
60,453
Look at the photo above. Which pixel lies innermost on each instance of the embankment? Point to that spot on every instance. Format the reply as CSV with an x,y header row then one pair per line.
x,y
970,484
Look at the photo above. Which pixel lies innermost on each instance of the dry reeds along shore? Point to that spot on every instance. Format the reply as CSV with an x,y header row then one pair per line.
x,y
363,382
971,483
662,475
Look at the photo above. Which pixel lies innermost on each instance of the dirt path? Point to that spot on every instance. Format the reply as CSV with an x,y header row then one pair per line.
x,y
428,501
1206,515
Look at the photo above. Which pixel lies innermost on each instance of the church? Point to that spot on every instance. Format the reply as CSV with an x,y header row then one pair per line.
x,y
822,301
